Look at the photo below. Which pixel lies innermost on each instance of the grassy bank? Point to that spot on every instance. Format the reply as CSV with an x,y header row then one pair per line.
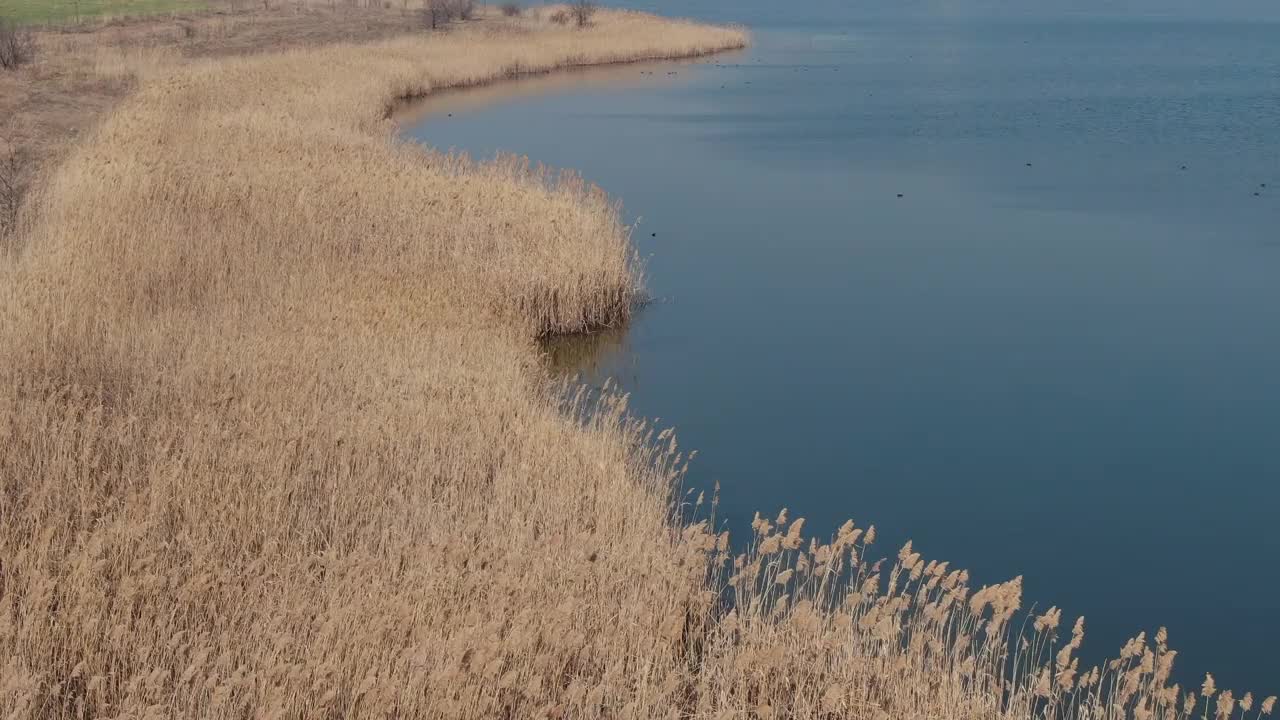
x,y
62,11
277,440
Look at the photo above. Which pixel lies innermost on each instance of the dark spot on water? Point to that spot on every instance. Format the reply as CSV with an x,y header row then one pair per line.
x,y
653,234
900,195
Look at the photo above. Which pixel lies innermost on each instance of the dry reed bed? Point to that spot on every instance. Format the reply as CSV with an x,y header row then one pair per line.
x,y
277,441
276,435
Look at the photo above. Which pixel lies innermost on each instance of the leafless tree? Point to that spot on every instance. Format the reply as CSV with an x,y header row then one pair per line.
x,y
17,45
582,11
436,13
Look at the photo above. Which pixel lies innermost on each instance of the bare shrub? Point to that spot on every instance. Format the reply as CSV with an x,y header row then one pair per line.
x,y
12,188
582,11
435,13
17,46
560,17
439,12
512,9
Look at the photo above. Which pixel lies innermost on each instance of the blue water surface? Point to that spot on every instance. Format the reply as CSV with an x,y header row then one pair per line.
x,y
1000,277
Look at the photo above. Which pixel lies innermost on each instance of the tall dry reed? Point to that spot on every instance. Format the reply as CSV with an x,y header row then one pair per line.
x,y
277,439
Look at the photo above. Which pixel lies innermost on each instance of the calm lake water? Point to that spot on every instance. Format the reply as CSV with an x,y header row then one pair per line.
x,y
1002,280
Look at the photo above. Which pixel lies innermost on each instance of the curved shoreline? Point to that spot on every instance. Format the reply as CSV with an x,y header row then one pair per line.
x,y
406,103
613,75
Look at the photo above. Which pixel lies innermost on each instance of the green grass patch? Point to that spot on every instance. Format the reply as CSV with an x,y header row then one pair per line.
x,y
57,12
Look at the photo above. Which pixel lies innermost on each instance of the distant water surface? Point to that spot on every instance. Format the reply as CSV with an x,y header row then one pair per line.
x,y
995,276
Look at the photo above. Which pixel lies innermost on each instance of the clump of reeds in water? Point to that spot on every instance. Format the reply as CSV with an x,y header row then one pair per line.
x,y
820,630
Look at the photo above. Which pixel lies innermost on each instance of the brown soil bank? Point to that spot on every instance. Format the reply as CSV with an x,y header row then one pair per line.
x,y
276,441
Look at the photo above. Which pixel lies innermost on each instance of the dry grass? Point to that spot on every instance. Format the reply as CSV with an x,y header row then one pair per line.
x,y
278,441
82,70
277,436
821,630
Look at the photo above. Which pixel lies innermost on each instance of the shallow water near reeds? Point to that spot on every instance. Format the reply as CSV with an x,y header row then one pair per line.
x,y
1005,281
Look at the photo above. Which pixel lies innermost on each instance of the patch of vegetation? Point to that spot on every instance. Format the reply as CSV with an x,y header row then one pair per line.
x,y
56,12
582,11
17,47
439,12
12,188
